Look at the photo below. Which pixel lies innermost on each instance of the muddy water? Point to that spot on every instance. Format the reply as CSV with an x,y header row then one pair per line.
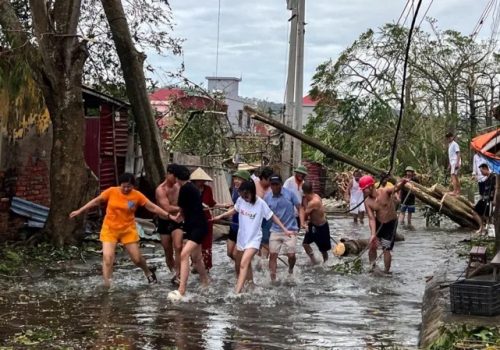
x,y
318,309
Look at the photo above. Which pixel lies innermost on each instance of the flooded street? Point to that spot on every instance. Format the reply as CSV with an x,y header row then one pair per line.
x,y
319,309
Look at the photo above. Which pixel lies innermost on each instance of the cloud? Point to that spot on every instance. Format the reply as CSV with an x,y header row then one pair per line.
x,y
254,35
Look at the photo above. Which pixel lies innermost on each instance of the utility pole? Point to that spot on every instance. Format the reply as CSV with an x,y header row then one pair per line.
x,y
299,82
286,155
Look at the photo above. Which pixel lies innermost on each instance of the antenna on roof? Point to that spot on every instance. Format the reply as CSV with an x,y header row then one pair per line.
x,y
217,51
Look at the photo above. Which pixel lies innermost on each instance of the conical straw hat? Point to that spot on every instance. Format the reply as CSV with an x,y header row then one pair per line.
x,y
200,174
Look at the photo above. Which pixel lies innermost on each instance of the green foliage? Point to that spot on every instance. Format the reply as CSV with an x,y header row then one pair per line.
x,y
467,337
15,260
359,98
349,266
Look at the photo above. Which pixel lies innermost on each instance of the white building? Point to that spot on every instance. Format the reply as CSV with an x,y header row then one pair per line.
x,y
308,105
228,87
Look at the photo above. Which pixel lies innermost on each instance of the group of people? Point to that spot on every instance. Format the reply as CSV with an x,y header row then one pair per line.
x,y
266,215
486,181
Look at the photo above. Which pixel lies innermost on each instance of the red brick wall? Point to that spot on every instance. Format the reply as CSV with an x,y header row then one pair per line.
x,y
33,181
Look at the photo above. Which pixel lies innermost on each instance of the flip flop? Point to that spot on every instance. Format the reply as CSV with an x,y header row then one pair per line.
x,y
175,295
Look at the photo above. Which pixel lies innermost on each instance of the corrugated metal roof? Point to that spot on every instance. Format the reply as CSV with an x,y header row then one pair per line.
x,y
36,213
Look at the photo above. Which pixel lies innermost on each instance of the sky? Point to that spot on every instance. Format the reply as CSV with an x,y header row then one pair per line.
x,y
253,40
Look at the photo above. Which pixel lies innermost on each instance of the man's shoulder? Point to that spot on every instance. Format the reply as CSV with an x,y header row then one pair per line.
x,y
289,180
316,200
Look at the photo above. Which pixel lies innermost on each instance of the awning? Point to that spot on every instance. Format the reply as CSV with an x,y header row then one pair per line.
x,y
488,145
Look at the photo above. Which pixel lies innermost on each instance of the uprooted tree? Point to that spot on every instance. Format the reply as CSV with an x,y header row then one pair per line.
x,y
457,209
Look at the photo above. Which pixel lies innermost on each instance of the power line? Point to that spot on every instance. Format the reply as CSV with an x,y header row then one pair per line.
x,y
425,14
482,18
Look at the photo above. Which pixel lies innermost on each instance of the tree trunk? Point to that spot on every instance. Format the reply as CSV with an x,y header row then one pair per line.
x,y
457,209
56,63
472,109
70,179
132,66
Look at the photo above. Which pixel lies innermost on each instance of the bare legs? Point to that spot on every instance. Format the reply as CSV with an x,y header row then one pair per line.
x,y
245,258
456,184
372,256
166,242
193,250
108,259
310,253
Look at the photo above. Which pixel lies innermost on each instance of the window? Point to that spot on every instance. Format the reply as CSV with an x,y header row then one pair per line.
x,y
240,118
248,122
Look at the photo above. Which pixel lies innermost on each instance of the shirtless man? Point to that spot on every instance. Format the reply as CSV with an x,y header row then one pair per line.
x,y
170,231
382,217
317,227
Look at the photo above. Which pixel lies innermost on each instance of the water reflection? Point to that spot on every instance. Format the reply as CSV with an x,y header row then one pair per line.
x,y
318,310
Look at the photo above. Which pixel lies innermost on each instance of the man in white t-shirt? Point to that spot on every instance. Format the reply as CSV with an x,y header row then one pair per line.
x,y
455,162
294,185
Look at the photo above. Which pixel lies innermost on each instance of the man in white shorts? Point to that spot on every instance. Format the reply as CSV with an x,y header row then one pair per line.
x,y
283,203
454,162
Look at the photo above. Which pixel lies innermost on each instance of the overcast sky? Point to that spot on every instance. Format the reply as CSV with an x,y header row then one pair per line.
x,y
253,35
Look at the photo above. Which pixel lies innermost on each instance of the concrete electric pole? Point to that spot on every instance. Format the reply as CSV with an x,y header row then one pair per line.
x,y
286,155
294,85
299,82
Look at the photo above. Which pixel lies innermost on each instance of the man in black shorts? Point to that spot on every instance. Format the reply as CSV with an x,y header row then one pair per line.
x,y
382,217
195,226
171,233
318,230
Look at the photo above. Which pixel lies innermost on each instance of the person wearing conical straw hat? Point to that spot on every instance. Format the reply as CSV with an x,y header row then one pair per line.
x,y
199,178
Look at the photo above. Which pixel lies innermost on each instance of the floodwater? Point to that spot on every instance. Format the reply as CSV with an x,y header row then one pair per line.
x,y
319,309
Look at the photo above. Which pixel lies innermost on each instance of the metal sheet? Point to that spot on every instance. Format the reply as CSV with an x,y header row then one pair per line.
x,y
35,212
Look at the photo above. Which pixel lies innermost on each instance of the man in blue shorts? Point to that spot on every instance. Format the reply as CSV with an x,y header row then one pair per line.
x,y
407,198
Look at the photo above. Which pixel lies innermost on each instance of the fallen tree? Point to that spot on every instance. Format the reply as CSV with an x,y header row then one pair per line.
x,y
458,209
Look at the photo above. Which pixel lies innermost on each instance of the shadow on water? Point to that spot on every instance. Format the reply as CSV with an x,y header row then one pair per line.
x,y
317,309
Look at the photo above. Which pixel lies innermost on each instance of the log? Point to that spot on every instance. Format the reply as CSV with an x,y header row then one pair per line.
x,y
458,210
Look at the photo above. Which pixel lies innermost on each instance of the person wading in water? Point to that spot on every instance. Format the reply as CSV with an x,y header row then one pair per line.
x,y
171,233
119,224
313,219
196,227
251,210
382,217
354,196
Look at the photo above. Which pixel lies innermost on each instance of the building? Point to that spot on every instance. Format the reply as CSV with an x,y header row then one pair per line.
x,y
308,105
25,160
228,87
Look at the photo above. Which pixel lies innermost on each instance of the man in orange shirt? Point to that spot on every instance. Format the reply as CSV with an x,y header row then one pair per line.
x,y
119,224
